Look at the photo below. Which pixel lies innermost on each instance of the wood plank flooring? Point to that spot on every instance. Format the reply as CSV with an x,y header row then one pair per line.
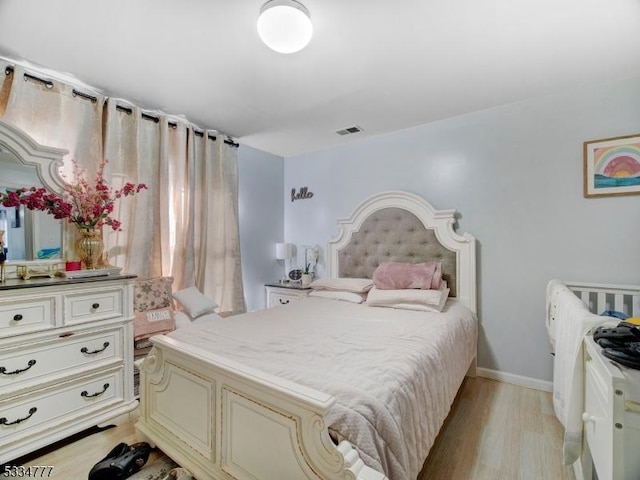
x,y
496,431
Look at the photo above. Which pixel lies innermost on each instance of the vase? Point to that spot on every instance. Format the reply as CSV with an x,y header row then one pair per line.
x,y
90,247
307,278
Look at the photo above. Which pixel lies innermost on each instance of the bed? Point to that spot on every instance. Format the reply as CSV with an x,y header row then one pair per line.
x,y
321,388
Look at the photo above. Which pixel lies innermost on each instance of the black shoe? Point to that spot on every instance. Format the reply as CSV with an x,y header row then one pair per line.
x,y
629,357
607,343
624,332
122,462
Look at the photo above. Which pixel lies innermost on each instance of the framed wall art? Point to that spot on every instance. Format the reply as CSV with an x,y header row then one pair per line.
x,y
612,166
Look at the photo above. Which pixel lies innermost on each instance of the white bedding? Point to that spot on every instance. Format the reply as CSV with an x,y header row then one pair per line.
x,y
394,373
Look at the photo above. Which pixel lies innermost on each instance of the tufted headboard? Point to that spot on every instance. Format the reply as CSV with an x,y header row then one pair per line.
x,y
394,235
402,227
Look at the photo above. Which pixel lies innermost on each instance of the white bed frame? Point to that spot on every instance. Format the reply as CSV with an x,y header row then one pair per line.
x,y
222,420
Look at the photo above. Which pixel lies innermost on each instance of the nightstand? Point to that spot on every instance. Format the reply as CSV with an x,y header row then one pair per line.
x,y
278,294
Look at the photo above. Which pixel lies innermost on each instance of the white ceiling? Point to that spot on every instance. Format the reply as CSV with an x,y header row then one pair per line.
x,y
383,66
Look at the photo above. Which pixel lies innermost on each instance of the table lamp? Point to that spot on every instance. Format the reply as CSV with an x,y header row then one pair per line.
x,y
284,251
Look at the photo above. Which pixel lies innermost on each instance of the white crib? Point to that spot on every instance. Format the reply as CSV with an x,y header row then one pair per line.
x,y
610,393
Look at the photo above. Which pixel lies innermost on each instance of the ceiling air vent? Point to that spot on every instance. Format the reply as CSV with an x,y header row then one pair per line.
x,y
349,130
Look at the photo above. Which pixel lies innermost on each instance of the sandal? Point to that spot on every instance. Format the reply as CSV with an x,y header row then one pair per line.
x,y
122,462
629,357
624,332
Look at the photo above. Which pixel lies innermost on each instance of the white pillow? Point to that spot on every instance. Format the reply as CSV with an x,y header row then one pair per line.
x,y
355,285
194,302
340,295
413,299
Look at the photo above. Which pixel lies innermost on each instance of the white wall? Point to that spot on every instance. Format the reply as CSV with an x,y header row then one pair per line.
x,y
260,188
515,175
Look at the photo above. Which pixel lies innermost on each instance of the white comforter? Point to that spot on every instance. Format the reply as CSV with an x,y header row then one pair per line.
x,y
394,373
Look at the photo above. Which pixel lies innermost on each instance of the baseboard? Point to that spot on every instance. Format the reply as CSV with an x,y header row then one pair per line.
x,y
515,379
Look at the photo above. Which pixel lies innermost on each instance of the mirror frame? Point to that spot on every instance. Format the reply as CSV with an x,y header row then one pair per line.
x,y
47,160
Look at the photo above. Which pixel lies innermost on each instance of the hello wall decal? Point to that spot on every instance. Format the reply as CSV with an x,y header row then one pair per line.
x,y
303,194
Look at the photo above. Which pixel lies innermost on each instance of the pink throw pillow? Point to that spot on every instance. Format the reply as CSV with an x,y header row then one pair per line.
x,y
398,276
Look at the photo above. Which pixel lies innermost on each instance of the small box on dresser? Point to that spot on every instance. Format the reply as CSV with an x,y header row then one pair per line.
x,y
66,359
278,294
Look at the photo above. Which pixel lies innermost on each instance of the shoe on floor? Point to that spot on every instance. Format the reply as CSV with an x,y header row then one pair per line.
x,y
122,462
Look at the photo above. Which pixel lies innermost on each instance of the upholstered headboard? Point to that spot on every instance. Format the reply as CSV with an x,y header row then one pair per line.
x,y
402,227
394,235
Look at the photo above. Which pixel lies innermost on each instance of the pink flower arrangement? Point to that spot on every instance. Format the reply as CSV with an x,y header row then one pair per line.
x,y
88,206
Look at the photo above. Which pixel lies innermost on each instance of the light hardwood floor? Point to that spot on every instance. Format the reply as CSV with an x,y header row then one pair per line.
x,y
496,431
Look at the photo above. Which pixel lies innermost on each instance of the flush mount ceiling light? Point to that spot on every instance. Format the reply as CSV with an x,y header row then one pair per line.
x,y
285,26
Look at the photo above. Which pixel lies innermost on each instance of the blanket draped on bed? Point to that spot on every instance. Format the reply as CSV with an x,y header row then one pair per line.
x,y
394,373
568,321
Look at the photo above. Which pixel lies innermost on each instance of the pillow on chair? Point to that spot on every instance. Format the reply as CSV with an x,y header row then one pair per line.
x,y
194,303
153,307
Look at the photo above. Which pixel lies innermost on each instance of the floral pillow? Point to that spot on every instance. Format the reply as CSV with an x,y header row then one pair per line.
x,y
153,307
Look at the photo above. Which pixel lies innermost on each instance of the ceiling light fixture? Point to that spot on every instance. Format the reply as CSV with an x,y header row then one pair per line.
x,y
285,26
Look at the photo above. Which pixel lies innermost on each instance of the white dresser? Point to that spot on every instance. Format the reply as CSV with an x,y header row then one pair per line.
x,y
66,359
284,294
611,417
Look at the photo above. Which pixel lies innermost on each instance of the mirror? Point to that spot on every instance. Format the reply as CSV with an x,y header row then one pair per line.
x,y
30,235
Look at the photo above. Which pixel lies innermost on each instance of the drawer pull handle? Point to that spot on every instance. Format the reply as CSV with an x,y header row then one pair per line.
x,y
17,317
86,350
4,421
30,364
283,302
86,394
95,306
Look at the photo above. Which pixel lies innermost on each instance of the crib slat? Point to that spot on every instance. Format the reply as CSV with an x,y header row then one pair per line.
x,y
618,303
601,305
584,296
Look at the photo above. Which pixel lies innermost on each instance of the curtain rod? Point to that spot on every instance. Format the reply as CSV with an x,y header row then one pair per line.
x,y
76,93
198,133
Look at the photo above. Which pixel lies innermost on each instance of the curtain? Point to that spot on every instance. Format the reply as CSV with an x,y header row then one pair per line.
x,y
132,146
186,224
217,269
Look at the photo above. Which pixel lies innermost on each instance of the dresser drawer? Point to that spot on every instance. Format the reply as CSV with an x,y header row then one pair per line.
x,y
598,421
27,315
93,305
277,295
49,408
45,362
276,299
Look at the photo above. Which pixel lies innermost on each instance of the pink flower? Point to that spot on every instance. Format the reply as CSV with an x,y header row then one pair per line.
x,y
88,206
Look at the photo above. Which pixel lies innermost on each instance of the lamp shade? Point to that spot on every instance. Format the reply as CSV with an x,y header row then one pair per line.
x,y
285,26
284,251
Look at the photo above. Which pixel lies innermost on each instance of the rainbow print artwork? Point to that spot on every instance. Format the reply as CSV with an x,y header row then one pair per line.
x,y
616,166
